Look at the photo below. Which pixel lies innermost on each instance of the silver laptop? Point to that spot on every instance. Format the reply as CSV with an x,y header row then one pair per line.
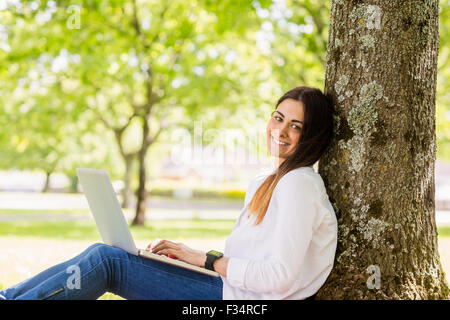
x,y
111,221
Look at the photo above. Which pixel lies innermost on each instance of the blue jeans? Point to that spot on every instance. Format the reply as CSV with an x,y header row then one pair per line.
x,y
102,268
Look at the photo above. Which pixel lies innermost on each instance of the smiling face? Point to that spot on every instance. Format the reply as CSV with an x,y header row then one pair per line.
x,y
284,129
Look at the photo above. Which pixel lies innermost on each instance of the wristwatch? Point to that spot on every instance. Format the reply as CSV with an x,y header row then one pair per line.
x,y
212,256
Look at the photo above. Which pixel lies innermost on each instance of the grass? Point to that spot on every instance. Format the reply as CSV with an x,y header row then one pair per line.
x,y
169,229
444,231
87,230
43,211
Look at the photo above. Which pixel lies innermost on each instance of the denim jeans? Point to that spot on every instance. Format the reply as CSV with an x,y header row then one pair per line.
x,y
102,268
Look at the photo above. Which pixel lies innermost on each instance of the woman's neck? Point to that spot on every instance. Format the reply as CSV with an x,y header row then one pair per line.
x,y
277,162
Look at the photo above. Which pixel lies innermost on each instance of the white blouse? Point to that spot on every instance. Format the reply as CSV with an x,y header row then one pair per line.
x,y
290,254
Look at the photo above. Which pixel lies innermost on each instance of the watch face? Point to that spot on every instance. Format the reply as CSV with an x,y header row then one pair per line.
x,y
215,253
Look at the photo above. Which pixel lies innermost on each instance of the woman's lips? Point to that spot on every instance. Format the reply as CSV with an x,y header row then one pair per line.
x,y
277,142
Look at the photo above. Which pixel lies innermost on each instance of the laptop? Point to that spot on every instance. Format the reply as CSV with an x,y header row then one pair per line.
x,y
111,222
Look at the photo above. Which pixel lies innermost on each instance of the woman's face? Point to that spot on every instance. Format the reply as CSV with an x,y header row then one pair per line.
x,y
284,128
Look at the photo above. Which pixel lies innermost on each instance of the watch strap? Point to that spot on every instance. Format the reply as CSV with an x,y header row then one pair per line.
x,y
210,258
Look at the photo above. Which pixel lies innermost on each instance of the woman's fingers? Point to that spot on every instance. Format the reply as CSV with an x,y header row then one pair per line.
x,y
164,244
166,251
153,244
177,250
171,253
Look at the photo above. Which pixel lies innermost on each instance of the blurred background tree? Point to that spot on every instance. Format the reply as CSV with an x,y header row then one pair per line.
x,y
102,83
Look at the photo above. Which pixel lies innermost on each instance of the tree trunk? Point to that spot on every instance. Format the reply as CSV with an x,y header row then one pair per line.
x,y
73,183
47,181
126,191
139,218
379,169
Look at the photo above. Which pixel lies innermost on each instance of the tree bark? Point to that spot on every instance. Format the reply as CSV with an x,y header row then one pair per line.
x,y
126,191
47,182
379,169
139,218
73,183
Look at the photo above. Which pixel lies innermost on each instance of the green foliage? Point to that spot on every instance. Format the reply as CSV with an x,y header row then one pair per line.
x,y
63,87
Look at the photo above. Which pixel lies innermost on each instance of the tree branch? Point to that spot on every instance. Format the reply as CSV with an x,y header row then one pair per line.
x,y
137,26
163,125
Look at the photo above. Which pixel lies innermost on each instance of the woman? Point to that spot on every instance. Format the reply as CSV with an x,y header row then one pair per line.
x,y
281,247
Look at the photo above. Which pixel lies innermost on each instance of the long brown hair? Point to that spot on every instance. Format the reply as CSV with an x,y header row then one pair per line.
x,y
316,135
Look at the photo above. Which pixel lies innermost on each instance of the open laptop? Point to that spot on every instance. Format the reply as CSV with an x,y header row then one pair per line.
x,y
111,221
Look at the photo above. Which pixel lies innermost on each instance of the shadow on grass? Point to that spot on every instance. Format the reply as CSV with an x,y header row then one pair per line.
x,y
87,230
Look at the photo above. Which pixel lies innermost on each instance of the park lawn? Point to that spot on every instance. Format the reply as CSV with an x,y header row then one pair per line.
x,y
87,230
444,231
79,233
4,212
66,237
167,229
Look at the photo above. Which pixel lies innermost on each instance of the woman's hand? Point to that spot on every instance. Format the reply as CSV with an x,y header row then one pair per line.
x,y
178,251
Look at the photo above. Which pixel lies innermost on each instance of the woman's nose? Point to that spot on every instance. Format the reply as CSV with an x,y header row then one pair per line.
x,y
280,131
283,130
